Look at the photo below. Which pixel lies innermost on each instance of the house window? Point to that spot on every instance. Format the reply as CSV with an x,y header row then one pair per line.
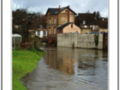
x,y
54,30
54,20
93,27
38,33
49,30
85,26
44,33
49,20
83,21
41,26
65,10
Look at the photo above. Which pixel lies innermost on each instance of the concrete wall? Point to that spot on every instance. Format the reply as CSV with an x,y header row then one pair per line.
x,y
79,40
67,39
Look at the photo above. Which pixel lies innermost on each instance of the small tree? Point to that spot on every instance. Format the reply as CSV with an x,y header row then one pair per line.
x,y
23,21
26,21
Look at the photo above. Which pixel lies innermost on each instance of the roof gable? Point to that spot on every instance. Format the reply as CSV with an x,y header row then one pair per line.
x,y
54,11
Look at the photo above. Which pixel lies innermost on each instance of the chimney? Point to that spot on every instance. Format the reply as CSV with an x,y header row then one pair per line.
x,y
68,6
95,15
59,8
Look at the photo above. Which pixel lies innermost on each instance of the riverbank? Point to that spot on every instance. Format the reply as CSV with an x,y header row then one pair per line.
x,y
23,62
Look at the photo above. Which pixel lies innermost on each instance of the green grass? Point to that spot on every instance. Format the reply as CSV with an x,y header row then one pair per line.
x,y
23,62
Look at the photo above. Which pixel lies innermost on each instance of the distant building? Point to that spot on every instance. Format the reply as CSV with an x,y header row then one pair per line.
x,y
41,33
68,28
87,22
103,25
57,17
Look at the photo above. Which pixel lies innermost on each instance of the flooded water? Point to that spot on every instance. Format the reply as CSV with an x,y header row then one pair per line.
x,y
69,69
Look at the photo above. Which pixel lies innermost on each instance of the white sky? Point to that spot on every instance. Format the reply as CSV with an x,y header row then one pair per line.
x,y
79,6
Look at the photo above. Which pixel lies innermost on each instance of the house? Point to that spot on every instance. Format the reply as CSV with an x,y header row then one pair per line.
x,y
87,22
68,28
41,32
103,25
57,17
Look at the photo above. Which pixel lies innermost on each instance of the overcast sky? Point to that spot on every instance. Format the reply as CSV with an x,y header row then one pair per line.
x,y
79,6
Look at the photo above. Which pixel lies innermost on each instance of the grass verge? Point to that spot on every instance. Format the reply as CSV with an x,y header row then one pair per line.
x,y
23,62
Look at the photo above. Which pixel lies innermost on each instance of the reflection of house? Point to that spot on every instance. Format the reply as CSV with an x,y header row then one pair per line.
x,y
67,65
87,22
57,17
61,62
68,28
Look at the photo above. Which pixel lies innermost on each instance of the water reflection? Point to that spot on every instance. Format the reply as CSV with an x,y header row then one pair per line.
x,y
61,65
84,64
58,59
68,60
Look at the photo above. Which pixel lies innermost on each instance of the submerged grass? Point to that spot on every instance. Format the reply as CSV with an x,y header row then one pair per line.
x,y
23,62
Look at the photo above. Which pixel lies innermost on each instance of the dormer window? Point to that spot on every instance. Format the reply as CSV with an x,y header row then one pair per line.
x,y
83,21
